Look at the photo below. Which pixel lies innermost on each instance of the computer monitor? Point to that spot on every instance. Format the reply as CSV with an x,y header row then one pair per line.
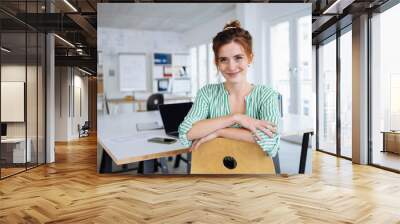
x,y
172,116
162,85
3,129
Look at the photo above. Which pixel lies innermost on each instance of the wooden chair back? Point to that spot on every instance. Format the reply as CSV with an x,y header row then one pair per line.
x,y
226,156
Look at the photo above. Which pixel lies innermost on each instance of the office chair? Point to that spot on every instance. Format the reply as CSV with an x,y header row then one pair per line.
x,y
84,129
154,100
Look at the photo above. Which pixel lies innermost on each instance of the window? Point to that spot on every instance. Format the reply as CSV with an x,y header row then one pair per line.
x,y
22,65
385,85
289,52
346,93
306,94
280,62
327,96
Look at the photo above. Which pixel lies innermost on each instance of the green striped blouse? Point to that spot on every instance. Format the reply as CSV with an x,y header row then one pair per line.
x,y
212,102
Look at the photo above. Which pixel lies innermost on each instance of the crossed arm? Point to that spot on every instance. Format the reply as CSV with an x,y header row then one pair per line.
x,y
208,129
198,128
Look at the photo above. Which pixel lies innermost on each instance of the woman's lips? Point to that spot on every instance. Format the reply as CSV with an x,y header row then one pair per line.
x,y
232,74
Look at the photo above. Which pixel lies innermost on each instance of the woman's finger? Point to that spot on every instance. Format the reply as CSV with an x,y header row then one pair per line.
x,y
273,129
267,132
193,145
198,144
254,132
268,123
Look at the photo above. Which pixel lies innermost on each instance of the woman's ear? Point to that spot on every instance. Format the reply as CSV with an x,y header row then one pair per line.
x,y
251,56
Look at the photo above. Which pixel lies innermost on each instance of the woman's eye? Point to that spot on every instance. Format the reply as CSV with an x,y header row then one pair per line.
x,y
222,60
238,58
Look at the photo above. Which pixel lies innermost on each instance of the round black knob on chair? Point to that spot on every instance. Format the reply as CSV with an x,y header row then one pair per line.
x,y
229,162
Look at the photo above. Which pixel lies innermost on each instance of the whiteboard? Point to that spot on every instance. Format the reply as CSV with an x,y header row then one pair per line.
x,y
132,72
12,101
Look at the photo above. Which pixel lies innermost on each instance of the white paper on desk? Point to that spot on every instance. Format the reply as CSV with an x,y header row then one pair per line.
x,y
148,126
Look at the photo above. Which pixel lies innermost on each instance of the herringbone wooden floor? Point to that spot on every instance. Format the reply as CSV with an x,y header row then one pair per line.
x,y
70,191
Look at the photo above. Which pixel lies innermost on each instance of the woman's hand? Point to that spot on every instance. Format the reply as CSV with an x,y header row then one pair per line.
x,y
198,142
253,125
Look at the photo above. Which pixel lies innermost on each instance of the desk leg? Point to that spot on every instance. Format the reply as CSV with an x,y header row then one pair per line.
x,y
384,143
106,163
304,149
189,161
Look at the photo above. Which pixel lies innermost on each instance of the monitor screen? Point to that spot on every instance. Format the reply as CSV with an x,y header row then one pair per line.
x,y
173,114
162,85
3,129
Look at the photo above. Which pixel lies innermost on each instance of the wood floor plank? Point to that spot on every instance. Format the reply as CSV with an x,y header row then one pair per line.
x,y
70,191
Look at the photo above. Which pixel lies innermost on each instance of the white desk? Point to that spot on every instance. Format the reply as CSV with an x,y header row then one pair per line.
x,y
19,155
118,136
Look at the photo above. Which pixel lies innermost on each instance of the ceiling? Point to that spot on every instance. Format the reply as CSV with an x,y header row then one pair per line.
x,y
179,19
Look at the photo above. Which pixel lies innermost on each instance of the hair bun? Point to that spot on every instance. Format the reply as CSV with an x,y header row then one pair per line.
x,y
231,25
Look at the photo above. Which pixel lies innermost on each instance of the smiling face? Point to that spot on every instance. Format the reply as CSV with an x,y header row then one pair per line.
x,y
233,62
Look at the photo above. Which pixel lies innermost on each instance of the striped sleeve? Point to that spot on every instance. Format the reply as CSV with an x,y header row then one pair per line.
x,y
199,111
270,112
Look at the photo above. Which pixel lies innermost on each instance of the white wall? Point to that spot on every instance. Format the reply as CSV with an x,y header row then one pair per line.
x,y
66,121
205,32
61,103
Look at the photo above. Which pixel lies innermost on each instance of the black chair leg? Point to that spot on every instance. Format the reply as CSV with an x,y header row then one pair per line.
x,y
156,165
141,167
177,161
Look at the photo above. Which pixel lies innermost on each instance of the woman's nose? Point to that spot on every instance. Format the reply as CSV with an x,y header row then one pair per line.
x,y
232,65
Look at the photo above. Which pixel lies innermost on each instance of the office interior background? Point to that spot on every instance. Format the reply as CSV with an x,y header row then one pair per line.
x,y
50,82
74,51
144,35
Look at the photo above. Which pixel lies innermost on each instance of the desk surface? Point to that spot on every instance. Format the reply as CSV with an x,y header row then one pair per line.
x,y
120,139
118,136
13,140
391,132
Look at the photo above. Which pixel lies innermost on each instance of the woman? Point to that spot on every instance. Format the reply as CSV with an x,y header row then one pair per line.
x,y
234,109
